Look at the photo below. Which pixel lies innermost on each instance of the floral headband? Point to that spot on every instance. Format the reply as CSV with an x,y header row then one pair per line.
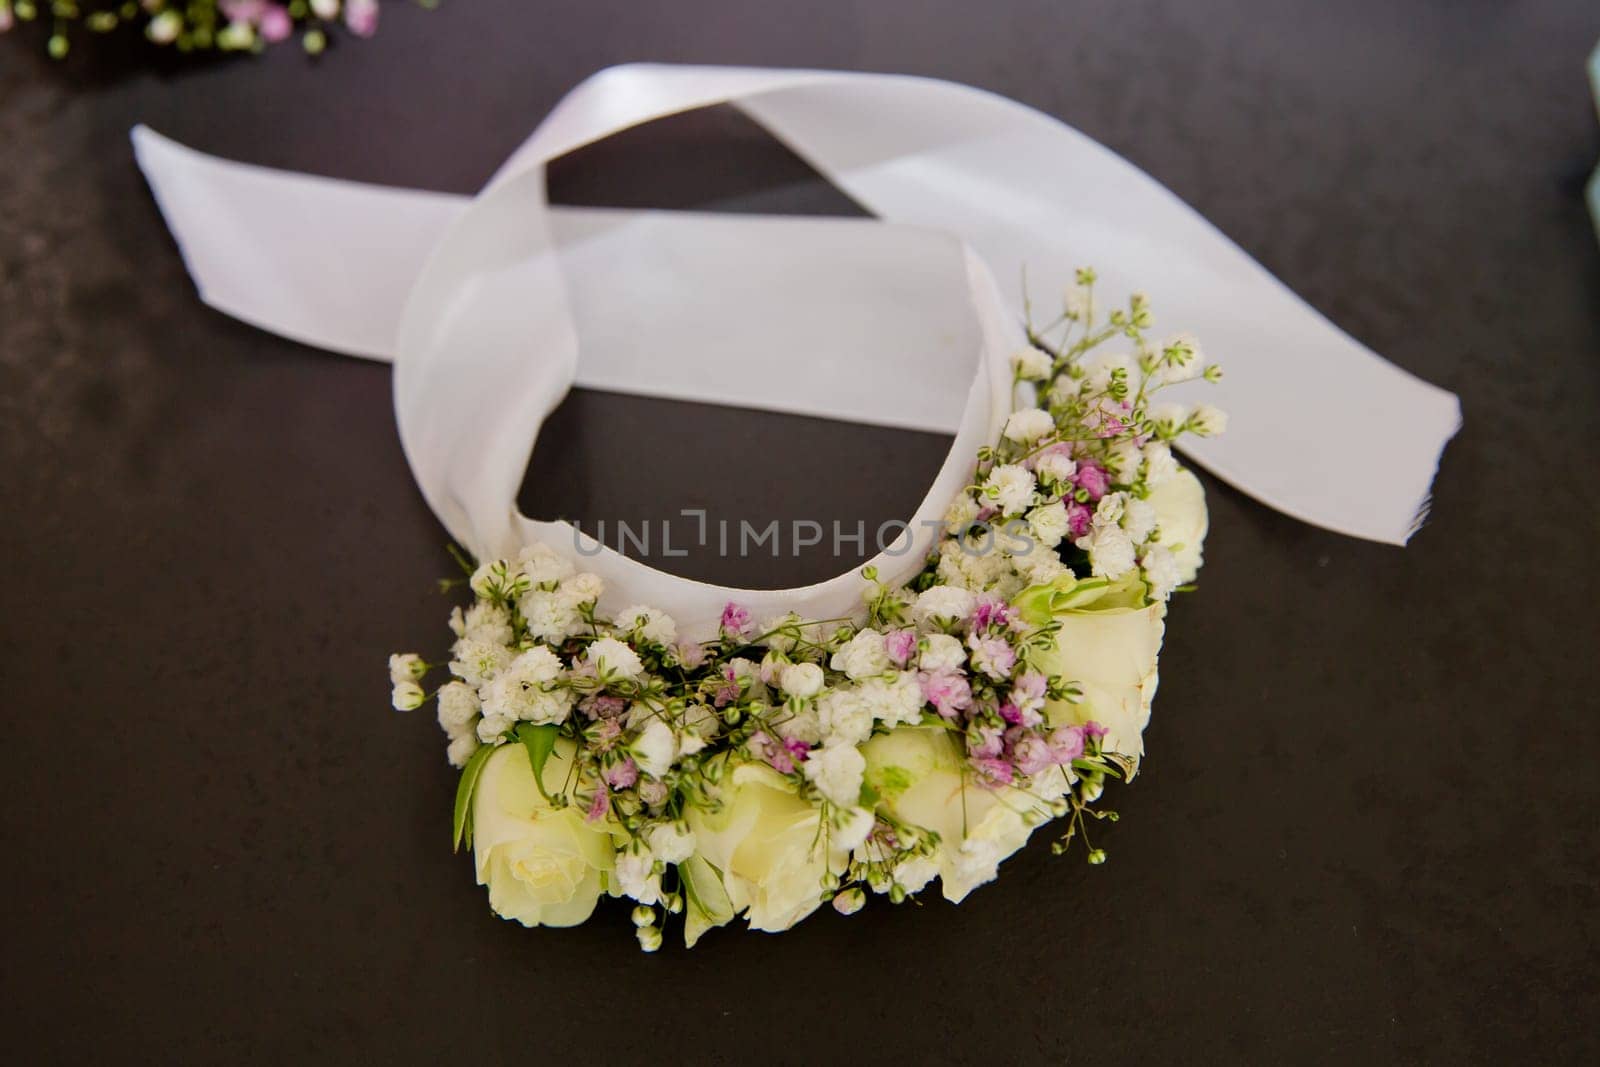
x,y
722,752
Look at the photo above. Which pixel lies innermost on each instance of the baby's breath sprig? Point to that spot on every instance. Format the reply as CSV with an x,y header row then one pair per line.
x,y
200,25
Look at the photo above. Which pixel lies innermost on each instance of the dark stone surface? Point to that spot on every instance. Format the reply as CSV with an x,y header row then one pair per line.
x,y
1367,828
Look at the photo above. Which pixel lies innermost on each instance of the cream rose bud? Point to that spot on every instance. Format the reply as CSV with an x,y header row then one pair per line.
x,y
920,775
800,680
1181,517
543,866
1112,655
768,843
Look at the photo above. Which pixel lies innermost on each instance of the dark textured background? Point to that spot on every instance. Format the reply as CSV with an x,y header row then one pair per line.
x,y
1368,824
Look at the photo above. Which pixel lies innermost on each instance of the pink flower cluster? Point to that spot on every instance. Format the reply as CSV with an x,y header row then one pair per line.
x,y
1000,707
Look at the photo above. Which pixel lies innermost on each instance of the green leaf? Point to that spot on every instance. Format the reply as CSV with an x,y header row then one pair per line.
x,y
1094,767
540,741
464,789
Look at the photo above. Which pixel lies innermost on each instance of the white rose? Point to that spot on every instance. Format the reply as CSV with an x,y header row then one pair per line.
x,y
800,680
544,866
921,779
1112,655
1180,504
863,657
767,842
989,841
614,660
654,749
943,653
836,772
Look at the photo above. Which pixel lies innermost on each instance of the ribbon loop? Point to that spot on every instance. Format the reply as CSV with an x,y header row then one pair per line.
x,y
508,306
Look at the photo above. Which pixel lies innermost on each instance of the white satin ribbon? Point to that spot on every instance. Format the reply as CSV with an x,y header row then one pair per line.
x,y
483,301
